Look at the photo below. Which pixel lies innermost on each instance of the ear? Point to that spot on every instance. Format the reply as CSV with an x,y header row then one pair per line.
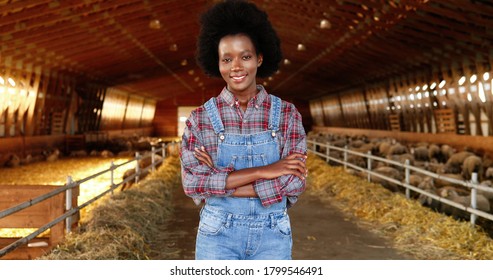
x,y
260,59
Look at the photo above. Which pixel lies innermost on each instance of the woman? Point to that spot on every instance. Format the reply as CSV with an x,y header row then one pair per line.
x,y
243,152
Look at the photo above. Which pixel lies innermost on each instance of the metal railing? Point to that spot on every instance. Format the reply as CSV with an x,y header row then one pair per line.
x,y
473,184
70,185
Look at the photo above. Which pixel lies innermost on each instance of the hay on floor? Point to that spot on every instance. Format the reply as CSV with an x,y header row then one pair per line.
x,y
414,229
124,225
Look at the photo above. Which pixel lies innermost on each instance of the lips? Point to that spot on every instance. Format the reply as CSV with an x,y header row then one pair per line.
x,y
238,78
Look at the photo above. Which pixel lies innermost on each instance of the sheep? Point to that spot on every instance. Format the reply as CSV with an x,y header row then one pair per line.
x,y
488,174
27,160
78,153
443,182
482,203
384,148
53,156
13,161
446,152
357,160
107,154
421,153
433,152
472,164
129,173
414,180
489,195
397,149
428,186
388,172
454,163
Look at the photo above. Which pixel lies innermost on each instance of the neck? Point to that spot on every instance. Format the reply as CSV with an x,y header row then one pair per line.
x,y
244,96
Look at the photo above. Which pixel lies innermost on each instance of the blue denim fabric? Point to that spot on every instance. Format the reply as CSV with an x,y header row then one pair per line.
x,y
233,228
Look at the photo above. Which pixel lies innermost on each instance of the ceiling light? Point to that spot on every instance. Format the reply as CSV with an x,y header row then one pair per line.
x,y
486,76
11,82
301,47
442,83
325,24
191,72
287,61
462,80
155,24
184,62
173,47
473,78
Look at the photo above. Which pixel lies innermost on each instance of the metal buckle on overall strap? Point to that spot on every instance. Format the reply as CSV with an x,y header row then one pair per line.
x,y
221,137
273,133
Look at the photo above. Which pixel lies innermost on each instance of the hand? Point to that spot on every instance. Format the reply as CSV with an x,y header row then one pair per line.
x,y
203,157
245,191
290,165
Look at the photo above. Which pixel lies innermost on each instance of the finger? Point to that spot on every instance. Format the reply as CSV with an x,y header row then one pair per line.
x,y
203,159
205,156
296,161
296,156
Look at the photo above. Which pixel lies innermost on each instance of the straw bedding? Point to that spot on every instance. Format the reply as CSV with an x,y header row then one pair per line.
x,y
126,225
414,229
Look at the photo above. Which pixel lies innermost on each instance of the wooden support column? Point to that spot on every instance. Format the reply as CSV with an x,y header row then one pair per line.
x,y
460,98
474,103
31,101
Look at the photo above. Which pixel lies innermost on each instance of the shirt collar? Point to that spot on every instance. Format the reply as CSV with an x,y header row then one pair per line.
x,y
230,99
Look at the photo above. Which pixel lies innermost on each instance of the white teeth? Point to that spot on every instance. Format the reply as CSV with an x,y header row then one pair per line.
x,y
238,78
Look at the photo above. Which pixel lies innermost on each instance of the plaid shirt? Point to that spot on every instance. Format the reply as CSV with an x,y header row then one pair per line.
x,y
200,181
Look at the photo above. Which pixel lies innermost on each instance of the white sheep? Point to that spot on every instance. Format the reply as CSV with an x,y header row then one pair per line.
x,y
388,172
53,156
488,174
421,153
472,164
454,163
13,161
481,202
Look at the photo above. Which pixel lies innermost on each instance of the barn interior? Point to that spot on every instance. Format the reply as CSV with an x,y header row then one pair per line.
x,y
127,67
76,73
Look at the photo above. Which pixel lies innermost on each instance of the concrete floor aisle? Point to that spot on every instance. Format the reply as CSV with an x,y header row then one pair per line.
x,y
320,232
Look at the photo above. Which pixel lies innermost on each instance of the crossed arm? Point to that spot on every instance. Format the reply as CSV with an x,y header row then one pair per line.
x,y
242,180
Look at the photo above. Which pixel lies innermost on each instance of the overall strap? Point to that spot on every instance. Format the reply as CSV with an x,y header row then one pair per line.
x,y
213,112
274,114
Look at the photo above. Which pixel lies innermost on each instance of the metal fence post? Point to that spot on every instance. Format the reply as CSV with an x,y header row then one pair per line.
x,y
327,152
369,166
474,193
153,159
164,150
112,173
137,169
345,157
408,173
68,204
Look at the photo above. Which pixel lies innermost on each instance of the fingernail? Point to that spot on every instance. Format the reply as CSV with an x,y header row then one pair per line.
x,y
203,148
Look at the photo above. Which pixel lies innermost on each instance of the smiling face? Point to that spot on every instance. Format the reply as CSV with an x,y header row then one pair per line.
x,y
238,63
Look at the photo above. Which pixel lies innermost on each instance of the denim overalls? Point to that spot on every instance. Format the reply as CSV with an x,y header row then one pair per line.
x,y
241,228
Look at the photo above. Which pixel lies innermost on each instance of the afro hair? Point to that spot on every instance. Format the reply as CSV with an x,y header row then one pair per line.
x,y
233,17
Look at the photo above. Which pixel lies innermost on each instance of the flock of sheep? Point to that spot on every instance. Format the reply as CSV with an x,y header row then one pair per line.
x,y
440,159
119,147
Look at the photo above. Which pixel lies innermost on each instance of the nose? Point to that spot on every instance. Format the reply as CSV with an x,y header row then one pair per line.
x,y
236,65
